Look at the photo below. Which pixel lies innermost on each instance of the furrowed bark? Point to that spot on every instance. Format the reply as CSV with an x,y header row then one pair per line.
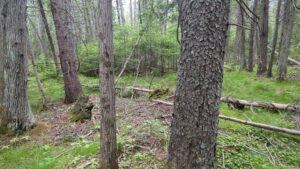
x,y
286,36
15,112
108,136
263,41
194,124
66,47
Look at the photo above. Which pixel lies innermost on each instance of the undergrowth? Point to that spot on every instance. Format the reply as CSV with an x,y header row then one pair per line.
x,y
239,146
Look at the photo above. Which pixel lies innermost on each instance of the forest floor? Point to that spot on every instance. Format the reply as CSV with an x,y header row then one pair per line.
x,y
143,128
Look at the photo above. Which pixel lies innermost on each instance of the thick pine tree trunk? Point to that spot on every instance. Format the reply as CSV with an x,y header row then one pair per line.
x,y
195,118
108,138
15,110
251,38
66,47
286,36
275,35
263,32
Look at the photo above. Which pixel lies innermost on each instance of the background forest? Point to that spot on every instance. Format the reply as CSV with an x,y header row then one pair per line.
x,y
146,50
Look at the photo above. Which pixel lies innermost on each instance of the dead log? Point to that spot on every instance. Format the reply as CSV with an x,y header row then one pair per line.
x,y
239,104
294,61
263,126
268,105
136,88
253,124
290,59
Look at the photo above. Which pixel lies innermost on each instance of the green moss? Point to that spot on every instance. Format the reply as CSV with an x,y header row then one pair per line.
x,y
158,93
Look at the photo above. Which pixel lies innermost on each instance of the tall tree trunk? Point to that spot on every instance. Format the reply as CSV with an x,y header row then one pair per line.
x,y
15,110
2,87
140,12
66,47
131,12
36,74
87,22
252,37
44,17
239,44
263,32
118,11
108,138
198,92
286,36
135,13
122,11
275,35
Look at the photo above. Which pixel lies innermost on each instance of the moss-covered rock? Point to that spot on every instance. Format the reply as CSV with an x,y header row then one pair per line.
x,y
158,93
81,110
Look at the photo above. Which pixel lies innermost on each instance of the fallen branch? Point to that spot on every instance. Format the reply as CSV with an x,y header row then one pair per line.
x,y
268,105
290,59
253,124
294,61
238,102
136,88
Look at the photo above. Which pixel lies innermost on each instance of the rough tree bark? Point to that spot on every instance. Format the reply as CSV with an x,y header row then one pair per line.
x,y
50,39
108,138
286,35
275,35
196,108
66,47
263,32
251,38
239,44
15,110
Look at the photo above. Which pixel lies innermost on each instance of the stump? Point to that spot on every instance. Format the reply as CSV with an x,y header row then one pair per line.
x,y
82,109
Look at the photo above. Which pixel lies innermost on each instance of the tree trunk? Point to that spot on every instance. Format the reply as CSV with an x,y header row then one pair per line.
x,y
122,11
135,12
131,12
36,74
140,12
108,138
87,22
118,12
198,92
66,47
251,38
1,65
44,18
239,44
15,110
286,35
263,44
274,43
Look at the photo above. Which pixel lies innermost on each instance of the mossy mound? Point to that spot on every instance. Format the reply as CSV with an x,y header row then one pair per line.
x,y
128,93
81,110
39,128
158,93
